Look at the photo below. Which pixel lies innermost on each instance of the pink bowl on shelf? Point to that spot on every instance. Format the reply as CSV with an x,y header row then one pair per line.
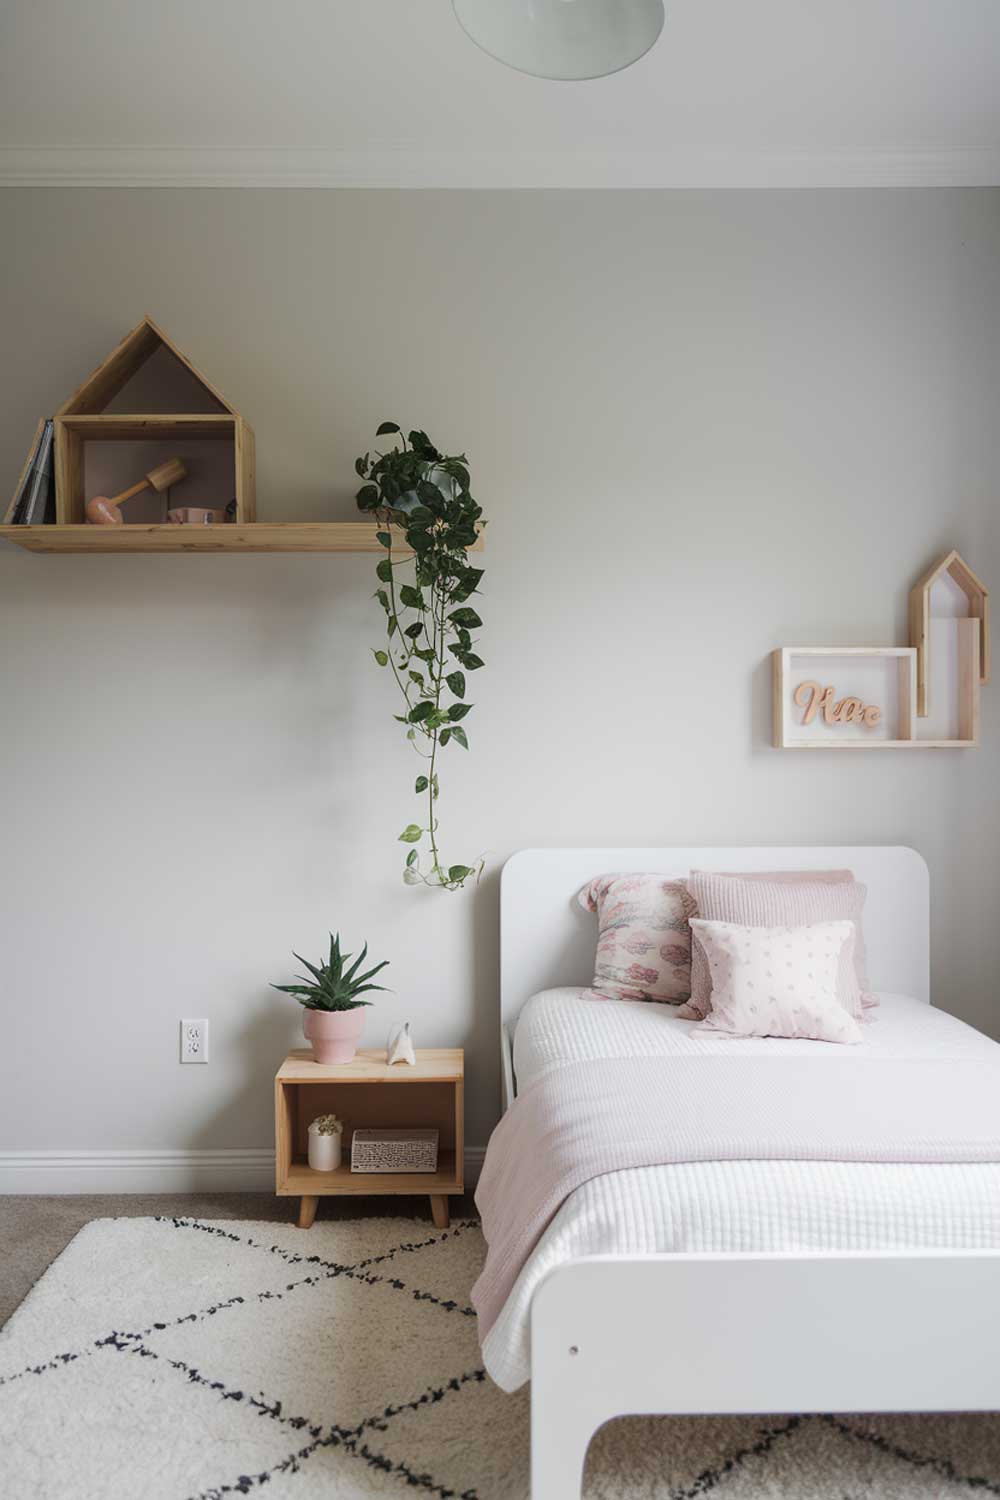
x,y
196,515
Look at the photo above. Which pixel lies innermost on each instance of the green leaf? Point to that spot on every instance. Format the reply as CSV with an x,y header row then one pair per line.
x,y
421,784
411,834
367,496
384,571
456,681
411,859
417,677
384,427
383,599
411,597
458,872
414,630
459,735
421,712
355,965
381,657
471,662
422,443
465,617
384,537
445,737
316,973
363,978
458,711
432,495
469,583
361,466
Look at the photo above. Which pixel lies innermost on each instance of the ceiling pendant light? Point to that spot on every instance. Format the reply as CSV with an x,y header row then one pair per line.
x,y
563,38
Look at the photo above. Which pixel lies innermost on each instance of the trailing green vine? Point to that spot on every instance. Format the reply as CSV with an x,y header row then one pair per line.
x,y
424,495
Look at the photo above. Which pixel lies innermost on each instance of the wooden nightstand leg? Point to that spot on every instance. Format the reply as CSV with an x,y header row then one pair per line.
x,y
439,1210
307,1211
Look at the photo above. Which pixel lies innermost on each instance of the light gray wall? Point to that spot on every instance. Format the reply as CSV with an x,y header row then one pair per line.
x,y
702,425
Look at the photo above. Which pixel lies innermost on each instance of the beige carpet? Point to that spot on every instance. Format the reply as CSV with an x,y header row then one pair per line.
x,y
182,1358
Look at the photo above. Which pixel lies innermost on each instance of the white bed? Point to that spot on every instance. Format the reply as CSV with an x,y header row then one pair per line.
x,y
707,1287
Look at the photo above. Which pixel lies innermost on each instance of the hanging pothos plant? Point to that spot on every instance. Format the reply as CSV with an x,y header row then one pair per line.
x,y
425,495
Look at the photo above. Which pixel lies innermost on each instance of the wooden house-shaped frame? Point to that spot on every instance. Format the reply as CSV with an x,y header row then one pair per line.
x,y
84,418
958,570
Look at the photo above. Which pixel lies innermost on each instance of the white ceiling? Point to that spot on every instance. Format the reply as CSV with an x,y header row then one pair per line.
x,y
392,92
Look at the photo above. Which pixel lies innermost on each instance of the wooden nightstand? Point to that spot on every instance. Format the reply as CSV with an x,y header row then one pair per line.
x,y
365,1093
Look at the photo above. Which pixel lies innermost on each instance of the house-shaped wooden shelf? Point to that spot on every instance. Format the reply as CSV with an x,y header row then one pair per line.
x,y
199,425
925,622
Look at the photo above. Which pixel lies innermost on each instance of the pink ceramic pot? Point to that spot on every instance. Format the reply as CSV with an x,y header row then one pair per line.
x,y
334,1034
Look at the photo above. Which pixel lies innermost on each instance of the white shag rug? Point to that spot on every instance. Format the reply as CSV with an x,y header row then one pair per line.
x,y
170,1359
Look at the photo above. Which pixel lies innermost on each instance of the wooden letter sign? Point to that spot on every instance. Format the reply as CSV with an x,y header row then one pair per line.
x,y
812,698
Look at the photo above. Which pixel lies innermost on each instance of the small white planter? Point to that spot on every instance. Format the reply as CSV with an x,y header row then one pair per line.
x,y
324,1150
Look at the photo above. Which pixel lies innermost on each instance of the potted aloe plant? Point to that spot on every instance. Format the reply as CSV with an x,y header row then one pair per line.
x,y
334,1018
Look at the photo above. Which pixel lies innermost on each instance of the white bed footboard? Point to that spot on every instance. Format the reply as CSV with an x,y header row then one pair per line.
x,y
686,1334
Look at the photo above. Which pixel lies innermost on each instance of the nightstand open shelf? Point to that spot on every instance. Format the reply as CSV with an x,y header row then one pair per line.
x,y
301,1179
366,1093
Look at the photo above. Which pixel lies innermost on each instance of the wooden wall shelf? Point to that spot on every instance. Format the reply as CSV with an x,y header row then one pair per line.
x,y
882,675
260,536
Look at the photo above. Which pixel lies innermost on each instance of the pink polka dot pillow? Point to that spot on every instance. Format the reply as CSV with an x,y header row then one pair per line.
x,y
644,941
779,899
778,981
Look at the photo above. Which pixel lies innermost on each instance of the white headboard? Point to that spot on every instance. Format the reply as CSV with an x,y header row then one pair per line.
x,y
547,940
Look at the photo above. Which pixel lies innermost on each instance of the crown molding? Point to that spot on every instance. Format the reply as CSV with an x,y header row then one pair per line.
x,y
406,165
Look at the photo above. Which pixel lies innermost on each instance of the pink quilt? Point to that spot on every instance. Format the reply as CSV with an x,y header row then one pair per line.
x,y
588,1118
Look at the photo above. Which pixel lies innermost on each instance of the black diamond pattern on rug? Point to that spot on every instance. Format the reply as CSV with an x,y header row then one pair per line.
x,y
189,1360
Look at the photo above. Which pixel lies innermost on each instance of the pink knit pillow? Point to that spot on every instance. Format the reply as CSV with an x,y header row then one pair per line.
x,y
791,898
644,942
778,981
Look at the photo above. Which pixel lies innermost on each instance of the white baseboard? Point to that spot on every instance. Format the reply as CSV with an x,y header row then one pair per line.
x,y
171,1171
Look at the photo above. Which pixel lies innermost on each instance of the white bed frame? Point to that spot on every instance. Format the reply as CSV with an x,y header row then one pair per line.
x,y
734,1333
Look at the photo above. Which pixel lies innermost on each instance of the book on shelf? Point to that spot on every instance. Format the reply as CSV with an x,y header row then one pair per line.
x,y
34,502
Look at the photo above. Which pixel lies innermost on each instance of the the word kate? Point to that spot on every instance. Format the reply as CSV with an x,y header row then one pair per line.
x,y
815,699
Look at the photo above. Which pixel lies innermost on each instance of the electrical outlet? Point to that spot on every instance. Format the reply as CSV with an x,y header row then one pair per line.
x,y
194,1041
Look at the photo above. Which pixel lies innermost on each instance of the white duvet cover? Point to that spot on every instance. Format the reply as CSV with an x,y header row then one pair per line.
x,y
734,1205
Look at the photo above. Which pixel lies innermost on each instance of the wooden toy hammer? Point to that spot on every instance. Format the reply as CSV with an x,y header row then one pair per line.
x,y
104,512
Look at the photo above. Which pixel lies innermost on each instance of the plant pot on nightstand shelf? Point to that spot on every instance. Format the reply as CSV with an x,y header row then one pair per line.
x,y
333,1034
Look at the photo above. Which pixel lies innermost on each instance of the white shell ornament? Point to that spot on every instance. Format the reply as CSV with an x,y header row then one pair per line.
x,y
400,1045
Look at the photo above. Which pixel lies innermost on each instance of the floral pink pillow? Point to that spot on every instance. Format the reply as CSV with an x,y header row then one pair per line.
x,y
779,981
644,941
